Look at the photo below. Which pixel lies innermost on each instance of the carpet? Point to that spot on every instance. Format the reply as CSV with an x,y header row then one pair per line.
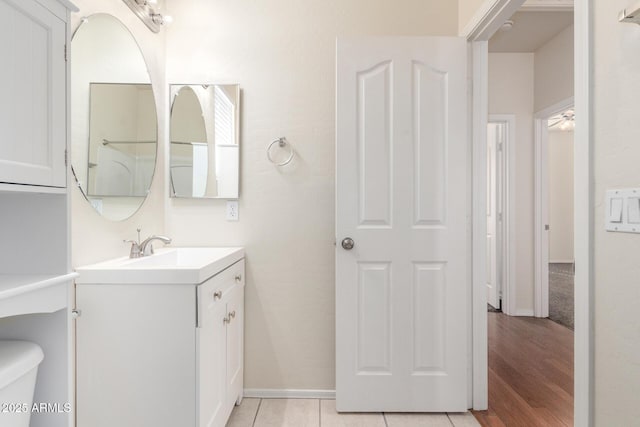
x,y
561,294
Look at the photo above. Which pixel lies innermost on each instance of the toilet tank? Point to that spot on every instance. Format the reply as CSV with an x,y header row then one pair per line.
x,y
19,362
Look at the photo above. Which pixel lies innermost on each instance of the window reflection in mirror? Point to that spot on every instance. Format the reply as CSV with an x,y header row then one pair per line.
x,y
204,141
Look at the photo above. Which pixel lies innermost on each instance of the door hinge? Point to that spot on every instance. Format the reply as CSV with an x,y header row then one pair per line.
x,y
65,52
500,146
66,158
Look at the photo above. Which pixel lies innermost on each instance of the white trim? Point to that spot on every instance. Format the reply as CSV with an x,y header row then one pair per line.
x,y
480,83
561,261
524,312
508,232
489,18
583,218
541,205
547,6
271,393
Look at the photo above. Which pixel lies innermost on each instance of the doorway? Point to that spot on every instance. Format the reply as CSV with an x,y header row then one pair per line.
x,y
518,64
478,32
554,225
500,203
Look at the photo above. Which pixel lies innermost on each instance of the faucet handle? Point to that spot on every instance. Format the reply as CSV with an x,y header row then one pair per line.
x,y
135,249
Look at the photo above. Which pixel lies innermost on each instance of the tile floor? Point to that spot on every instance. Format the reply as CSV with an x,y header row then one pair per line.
x,y
322,413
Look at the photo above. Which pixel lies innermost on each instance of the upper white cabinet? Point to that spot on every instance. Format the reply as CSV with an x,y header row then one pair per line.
x,y
33,81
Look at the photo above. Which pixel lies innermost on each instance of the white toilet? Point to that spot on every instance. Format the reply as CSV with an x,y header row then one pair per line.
x,y
19,362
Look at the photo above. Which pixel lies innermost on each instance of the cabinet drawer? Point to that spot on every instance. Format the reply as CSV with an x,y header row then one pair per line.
x,y
217,289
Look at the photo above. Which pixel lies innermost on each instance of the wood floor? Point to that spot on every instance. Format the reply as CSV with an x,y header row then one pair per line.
x,y
530,373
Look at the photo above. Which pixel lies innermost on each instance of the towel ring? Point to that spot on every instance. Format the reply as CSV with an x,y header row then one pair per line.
x,y
282,142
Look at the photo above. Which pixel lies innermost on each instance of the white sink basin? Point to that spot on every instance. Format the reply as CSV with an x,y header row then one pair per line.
x,y
166,266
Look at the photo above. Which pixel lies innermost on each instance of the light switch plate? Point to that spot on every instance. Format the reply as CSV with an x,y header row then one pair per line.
x,y
622,210
232,210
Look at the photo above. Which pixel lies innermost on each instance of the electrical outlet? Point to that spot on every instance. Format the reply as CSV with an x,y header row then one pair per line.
x,y
232,210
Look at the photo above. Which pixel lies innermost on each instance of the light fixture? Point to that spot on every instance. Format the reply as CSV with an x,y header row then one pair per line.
x,y
145,10
507,26
565,121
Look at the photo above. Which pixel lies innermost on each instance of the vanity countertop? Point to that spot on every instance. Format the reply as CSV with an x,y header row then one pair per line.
x,y
24,293
167,266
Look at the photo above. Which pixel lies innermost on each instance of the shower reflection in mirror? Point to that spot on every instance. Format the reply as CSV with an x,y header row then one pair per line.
x,y
204,154
122,145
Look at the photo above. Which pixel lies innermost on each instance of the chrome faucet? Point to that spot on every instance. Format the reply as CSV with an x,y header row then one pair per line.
x,y
145,248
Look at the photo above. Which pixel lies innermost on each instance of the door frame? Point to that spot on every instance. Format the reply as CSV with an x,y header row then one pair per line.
x,y
507,233
541,205
489,17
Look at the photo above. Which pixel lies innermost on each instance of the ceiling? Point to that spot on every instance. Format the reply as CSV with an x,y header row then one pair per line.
x,y
531,30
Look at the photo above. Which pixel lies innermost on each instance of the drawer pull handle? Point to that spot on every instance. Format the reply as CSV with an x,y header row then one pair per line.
x,y
217,295
239,278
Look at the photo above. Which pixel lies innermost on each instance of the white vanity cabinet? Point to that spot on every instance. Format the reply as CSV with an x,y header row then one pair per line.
x,y
220,346
160,354
33,118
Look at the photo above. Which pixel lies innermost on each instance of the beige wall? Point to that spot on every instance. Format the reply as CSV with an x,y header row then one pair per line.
x,y
554,70
561,196
283,57
511,92
616,125
467,10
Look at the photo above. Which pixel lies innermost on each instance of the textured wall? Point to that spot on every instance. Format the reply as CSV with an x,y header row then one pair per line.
x,y
511,92
554,70
616,109
561,196
282,53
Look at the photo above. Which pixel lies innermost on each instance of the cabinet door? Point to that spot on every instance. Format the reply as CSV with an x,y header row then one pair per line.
x,y
211,357
235,344
33,87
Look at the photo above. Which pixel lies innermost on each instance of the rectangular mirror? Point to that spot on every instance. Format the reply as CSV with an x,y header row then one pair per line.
x,y
205,149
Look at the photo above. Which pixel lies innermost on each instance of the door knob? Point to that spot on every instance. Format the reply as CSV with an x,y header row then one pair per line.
x,y
348,243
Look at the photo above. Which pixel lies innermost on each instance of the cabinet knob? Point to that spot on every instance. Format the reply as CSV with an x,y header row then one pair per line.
x,y
232,315
75,313
239,278
226,320
217,295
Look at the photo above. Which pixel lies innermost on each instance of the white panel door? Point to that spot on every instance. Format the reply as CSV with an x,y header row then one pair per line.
x,y
402,291
493,296
32,77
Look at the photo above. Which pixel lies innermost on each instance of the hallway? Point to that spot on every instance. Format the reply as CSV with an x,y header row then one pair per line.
x,y
530,373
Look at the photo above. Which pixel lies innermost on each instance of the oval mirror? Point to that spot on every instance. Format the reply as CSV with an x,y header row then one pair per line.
x,y
113,117
205,146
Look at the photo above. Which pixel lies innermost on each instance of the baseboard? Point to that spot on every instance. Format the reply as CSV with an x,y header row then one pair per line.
x,y
561,261
270,393
524,312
